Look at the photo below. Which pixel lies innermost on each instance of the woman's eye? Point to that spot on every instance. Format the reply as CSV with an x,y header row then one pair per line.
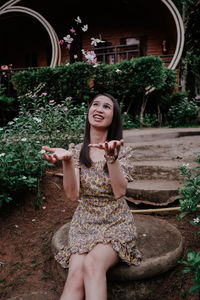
x,y
107,106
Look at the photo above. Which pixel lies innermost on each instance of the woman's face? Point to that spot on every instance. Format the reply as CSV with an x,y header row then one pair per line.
x,y
101,112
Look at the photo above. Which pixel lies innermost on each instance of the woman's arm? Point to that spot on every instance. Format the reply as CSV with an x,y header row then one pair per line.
x,y
71,175
118,181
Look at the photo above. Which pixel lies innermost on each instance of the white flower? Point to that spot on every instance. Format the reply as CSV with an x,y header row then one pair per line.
x,y
2,154
15,119
10,123
186,165
85,28
23,139
38,142
42,151
197,220
33,220
75,56
37,119
118,71
16,226
90,55
24,177
44,207
96,41
1,128
78,20
68,39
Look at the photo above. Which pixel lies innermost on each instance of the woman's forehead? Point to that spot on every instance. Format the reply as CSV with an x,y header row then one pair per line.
x,y
104,99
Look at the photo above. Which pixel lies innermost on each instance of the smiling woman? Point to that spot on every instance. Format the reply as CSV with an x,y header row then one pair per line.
x,y
102,230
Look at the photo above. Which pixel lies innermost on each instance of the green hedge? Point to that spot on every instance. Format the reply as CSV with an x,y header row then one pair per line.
x,y
127,81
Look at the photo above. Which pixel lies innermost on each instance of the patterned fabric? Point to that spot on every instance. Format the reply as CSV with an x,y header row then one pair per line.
x,y
99,217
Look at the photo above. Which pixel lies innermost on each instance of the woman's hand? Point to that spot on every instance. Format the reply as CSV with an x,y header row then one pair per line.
x,y
56,154
109,147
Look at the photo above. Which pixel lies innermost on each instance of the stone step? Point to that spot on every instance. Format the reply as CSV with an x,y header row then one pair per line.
x,y
161,245
158,169
154,134
158,192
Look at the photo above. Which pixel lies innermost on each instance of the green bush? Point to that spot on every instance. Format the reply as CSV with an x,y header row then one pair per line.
x,y
183,113
128,81
47,123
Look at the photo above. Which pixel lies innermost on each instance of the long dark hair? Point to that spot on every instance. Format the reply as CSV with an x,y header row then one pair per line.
x,y
114,131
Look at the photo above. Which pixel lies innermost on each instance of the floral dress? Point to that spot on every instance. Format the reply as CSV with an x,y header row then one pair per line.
x,y
99,217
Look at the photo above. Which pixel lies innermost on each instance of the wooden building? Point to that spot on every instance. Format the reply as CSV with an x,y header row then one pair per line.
x,y
30,31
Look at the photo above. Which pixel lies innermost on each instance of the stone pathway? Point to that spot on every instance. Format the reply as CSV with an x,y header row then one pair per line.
x,y
158,155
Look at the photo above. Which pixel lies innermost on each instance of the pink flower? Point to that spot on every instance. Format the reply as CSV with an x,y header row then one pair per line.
x,y
57,130
66,109
68,46
51,101
59,105
73,31
61,42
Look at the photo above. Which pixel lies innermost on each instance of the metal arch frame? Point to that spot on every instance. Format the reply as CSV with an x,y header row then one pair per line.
x,y
56,51
180,33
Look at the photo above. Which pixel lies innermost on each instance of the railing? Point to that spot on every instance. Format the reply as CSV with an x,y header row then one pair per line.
x,y
114,54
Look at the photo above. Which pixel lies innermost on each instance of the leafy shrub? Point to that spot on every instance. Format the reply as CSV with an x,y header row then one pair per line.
x,y
6,104
47,123
189,197
184,113
189,194
128,81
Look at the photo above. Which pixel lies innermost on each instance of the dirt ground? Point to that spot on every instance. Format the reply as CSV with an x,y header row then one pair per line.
x,y
27,264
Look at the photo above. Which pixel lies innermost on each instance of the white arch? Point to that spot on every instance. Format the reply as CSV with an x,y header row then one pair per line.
x,y
56,51
180,33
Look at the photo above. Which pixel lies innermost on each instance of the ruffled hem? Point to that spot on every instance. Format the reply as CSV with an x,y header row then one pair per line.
x,y
131,256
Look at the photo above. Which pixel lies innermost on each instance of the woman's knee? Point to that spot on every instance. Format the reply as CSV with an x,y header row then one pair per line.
x,y
92,267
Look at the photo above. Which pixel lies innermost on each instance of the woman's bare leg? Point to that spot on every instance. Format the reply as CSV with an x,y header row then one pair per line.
x,y
74,286
96,264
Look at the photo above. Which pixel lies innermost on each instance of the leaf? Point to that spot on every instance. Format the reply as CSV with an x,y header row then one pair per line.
x,y
190,255
194,288
182,215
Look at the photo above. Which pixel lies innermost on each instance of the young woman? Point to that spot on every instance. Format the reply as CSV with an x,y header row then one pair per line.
x,y
102,230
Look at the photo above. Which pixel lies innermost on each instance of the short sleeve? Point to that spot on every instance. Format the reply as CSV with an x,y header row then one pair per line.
x,y
75,150
125,159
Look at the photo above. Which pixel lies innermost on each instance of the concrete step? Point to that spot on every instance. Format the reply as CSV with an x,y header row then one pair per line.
x,y
168,170
161,245
158,192
154,134
178,149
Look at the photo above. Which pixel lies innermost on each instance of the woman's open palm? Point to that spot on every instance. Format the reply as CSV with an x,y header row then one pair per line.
x,y
56,154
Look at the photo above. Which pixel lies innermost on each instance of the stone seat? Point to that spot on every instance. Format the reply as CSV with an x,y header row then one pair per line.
x,y
161,245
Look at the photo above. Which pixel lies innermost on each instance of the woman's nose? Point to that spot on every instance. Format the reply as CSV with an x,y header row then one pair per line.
x,y
100,108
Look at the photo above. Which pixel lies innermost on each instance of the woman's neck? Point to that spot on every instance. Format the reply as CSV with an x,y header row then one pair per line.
x,y
98,135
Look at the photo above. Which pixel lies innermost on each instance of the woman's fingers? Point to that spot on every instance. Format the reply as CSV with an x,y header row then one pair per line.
x,y
108,146
56,154
48,149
